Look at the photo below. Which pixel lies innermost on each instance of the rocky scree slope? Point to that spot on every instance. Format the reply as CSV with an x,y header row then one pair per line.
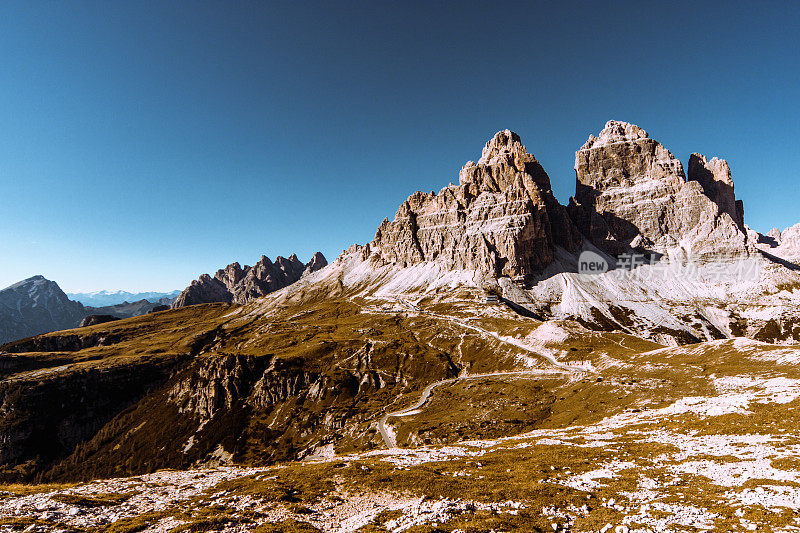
x,y
235,284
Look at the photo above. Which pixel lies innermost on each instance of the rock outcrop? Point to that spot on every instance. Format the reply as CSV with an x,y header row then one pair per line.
x,y
782,244
317,262
715,178
501,219
93,320
632,193
235,284
36,305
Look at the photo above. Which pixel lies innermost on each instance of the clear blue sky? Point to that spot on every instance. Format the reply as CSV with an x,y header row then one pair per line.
x,y
144,143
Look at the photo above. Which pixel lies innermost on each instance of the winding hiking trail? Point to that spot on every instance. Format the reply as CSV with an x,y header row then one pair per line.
x,y
388,435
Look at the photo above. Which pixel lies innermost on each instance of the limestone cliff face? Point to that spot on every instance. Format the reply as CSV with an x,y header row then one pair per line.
x,y
235,284
715,178
501,219
632,192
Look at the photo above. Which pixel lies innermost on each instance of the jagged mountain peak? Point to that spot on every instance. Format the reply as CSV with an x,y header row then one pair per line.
x,y
317,262
615,131
502,218
504,142
633,193
239,284
36,305
505,163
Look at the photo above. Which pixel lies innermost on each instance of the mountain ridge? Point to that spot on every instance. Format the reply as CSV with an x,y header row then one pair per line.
x,y
104,298
320,364
235,284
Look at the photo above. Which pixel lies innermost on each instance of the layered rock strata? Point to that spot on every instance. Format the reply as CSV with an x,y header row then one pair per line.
x,y
501,219
715,178
631,192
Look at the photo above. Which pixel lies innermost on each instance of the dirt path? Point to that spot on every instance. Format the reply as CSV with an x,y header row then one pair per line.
x,y
388,435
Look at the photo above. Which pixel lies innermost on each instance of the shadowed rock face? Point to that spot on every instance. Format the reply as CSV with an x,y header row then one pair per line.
x,y
92,320
36,305
501,219
783,244
632,192
235,284
715,178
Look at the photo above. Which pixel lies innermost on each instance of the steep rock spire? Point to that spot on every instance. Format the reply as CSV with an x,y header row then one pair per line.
x,y
501,219
715,178
631,192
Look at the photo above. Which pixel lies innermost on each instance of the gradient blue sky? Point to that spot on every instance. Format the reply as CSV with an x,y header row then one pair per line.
x,y
144,143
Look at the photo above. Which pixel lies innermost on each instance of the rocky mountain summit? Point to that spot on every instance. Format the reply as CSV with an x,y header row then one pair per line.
x,y
36,305
235,284
501,219
632,193
502,226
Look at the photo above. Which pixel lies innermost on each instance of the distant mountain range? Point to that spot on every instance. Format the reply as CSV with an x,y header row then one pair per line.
x,y
105,298
38,305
